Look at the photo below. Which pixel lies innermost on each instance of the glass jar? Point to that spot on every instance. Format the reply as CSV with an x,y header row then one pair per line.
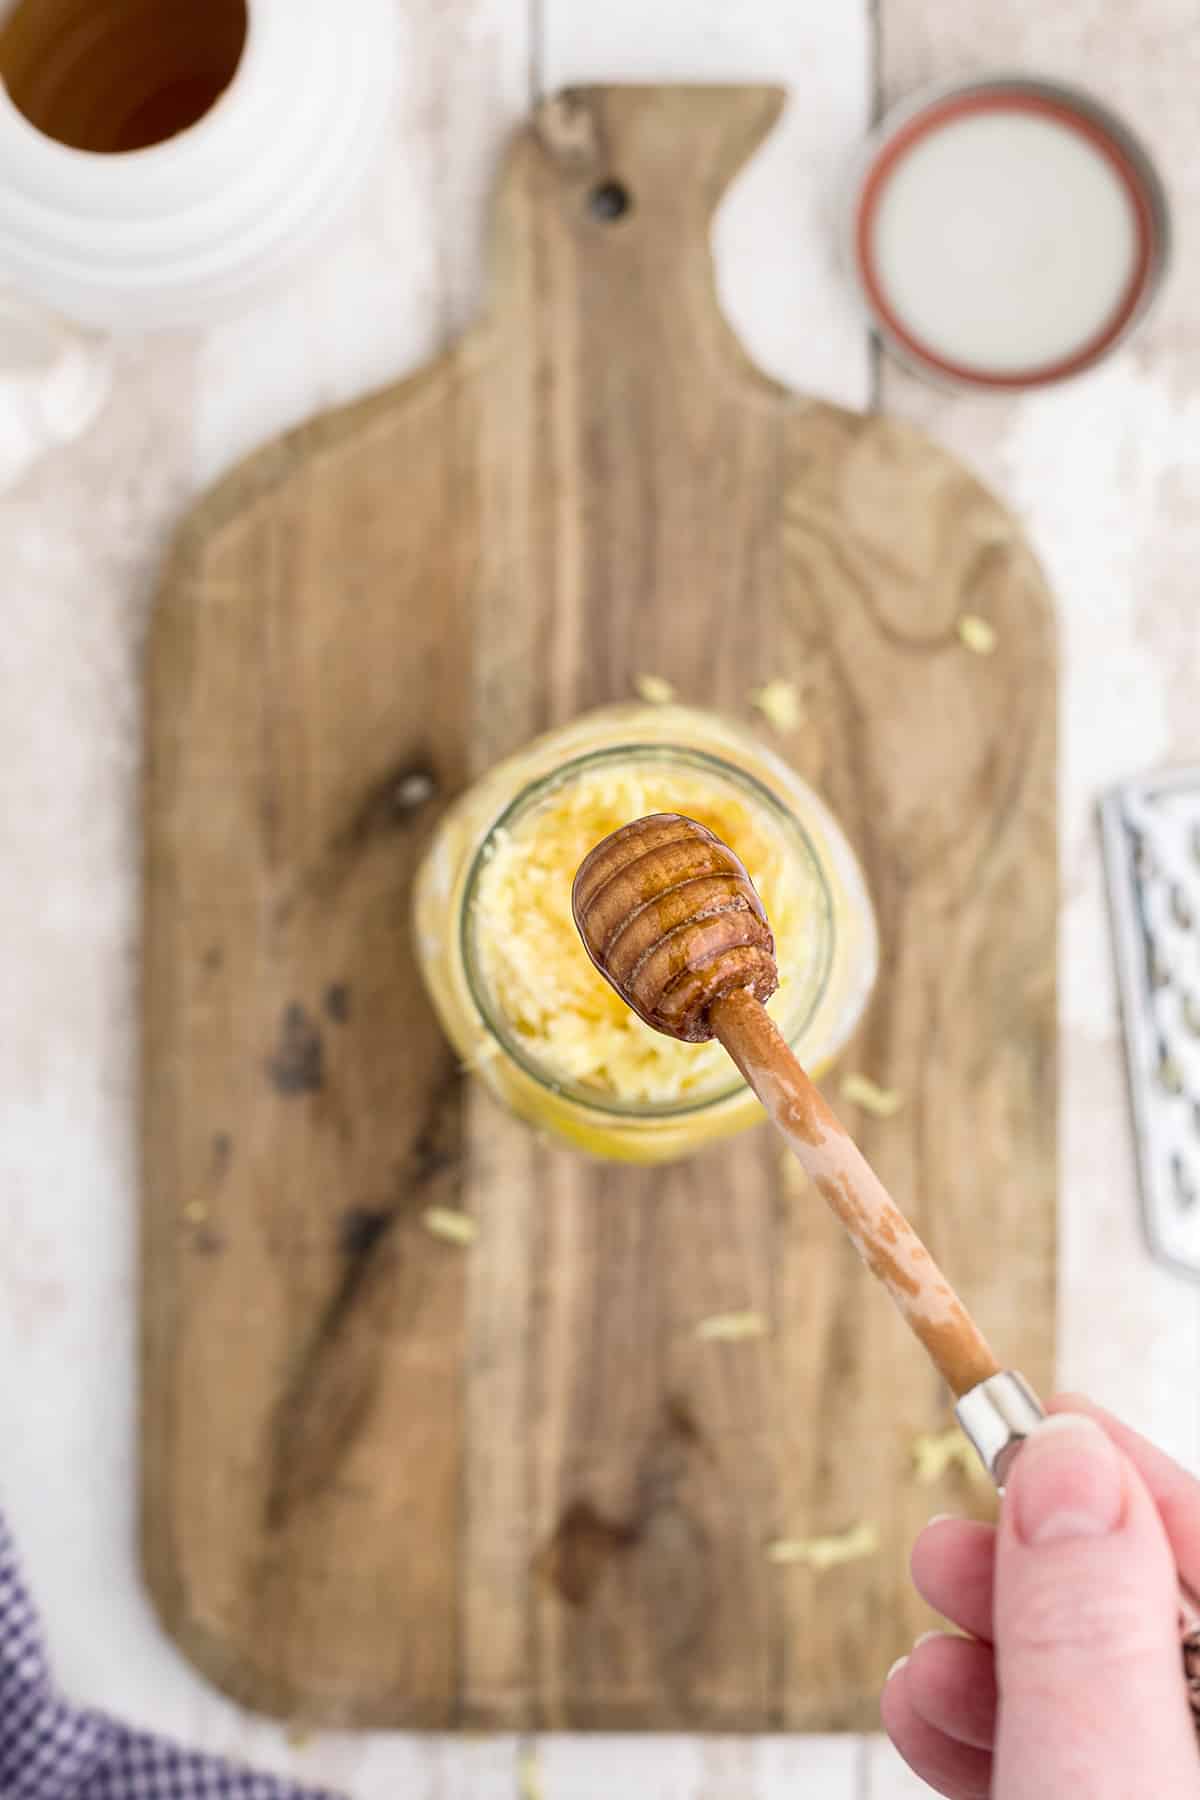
x,y
512,984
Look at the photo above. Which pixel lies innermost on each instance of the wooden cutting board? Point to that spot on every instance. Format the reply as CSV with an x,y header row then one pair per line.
x,y
391,1481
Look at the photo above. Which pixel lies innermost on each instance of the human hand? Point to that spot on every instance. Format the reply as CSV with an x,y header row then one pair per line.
x,y
1070,1683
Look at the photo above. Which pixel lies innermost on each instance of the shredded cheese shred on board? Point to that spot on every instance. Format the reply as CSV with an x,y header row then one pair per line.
x,y
779,704
731,1327
820,1553
792,1176
529,1774
453,1227
934,1454
537,972
655,690
976,634
483,1053
881,1102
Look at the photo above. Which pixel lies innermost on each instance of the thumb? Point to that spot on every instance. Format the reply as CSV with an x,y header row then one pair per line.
x,y
1088,1662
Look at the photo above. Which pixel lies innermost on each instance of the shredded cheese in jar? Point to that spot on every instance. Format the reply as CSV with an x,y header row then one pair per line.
x,y
540,980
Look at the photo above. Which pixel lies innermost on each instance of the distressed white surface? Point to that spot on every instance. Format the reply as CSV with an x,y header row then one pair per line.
x,y
81,540
1106,474
682,1768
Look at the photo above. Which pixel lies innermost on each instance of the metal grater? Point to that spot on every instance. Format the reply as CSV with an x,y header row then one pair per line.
x,y
1152,850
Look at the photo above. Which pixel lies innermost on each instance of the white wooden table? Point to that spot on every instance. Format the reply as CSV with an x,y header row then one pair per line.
x,y
1106,473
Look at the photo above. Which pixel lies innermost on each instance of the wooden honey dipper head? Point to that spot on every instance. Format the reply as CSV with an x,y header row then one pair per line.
x,y
670,917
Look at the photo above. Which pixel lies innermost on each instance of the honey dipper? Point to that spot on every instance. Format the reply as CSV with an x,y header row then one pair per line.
x,y
672,920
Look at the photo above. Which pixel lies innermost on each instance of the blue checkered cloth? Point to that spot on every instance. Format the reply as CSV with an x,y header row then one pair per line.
x,y
52,1751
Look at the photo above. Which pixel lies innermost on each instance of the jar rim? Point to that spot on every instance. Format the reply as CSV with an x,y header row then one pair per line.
x,y
529,796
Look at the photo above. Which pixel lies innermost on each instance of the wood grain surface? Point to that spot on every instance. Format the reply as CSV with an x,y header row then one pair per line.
x,y
390,1481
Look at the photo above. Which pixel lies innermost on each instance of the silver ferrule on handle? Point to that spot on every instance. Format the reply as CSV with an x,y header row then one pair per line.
x,y
998,1415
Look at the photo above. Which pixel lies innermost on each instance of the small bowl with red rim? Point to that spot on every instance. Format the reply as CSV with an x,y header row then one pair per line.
x,y
1007,233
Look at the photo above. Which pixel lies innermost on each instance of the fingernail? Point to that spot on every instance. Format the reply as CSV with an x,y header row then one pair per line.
x,y
897,1665
927,1637
1066,1482
938,1517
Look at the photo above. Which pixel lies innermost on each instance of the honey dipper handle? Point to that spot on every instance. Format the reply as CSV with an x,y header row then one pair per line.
x,y
878,1229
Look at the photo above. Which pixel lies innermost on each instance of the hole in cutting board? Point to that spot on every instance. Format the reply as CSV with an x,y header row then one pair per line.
x,y
610,200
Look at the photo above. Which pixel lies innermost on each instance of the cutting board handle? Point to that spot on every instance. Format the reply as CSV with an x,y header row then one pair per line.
x,y
612,191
